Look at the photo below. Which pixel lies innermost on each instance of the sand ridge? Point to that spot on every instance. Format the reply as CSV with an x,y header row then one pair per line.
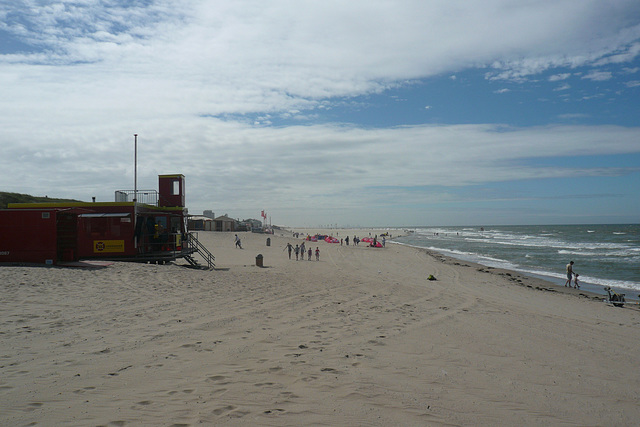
x,y
358,338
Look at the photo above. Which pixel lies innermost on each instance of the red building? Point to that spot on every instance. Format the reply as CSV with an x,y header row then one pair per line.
x,y
127,229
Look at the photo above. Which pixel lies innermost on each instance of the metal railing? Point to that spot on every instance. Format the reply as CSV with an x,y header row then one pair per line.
x,y
193,243
149,197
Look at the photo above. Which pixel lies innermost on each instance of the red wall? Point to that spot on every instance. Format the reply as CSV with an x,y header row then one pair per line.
x,y
25,236
106,237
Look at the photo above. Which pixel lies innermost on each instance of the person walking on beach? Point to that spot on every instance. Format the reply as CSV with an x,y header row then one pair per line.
x,y
309,252
297,251
569,274
575,281
346,240
302,251
238,244
290,248
317,253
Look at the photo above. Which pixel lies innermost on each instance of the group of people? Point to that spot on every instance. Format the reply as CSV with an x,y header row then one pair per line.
x,y
572,275
356,241
301,251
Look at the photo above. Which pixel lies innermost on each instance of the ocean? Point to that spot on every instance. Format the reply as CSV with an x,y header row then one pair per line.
x,y
604,255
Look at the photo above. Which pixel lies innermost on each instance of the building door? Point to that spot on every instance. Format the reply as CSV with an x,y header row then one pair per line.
x,y
67,230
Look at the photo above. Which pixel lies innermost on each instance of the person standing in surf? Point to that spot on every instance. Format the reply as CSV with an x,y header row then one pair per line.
x,y
569,274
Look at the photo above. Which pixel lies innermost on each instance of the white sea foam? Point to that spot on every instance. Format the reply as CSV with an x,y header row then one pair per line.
x,y
622,254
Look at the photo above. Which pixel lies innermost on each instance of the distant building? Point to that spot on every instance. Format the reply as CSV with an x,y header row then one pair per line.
x,y
253,224
209,214
224,223
200,223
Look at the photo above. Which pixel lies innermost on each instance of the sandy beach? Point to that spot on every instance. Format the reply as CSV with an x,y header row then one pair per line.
x,y
360,337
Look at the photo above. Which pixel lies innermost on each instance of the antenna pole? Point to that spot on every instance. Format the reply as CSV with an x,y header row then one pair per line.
x,y
135,169
135,186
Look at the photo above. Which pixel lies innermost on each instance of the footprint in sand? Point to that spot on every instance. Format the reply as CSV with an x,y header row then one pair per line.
x,y
33,406
224,409
83,390
289,394
218,379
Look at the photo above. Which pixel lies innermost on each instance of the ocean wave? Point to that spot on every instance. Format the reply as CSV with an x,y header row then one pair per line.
x,y
582,253
549,243
477,258
491,261
619,254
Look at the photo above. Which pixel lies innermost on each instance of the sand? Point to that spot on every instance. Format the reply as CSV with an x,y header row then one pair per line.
x,y
358,338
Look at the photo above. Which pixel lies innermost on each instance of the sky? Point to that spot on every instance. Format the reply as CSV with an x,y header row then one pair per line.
x,y
330,113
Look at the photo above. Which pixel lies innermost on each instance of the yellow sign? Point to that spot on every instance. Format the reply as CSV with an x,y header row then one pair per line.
x,y
102,246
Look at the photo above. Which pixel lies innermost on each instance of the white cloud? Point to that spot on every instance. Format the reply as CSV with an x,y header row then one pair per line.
x,y
238,167
331,49
562,87
598,76
622,55
558,77
571,116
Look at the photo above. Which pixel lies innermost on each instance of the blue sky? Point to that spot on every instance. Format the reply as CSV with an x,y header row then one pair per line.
x,y
353,113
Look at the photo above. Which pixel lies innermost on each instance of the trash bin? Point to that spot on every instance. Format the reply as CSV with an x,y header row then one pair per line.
x,y
259,260
268,241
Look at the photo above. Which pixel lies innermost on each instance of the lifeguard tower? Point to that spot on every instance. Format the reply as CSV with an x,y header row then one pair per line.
x,y
140,225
